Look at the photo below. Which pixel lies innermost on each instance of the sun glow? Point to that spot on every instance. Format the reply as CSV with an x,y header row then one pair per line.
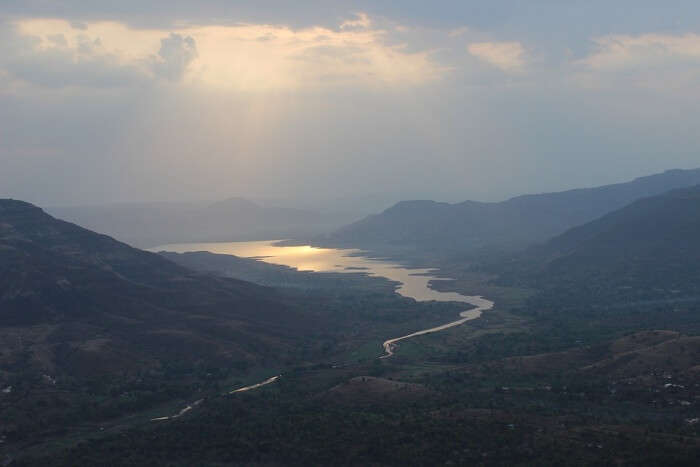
x,y
248,57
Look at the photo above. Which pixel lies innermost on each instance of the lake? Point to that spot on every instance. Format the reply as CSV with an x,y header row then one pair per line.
x,y
415,283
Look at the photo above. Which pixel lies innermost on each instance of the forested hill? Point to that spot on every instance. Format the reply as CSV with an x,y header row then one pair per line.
x,y
514,223
93,304
642,261
649,248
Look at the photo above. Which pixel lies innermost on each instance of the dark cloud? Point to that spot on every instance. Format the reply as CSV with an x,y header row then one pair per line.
x,y
59,67
78,25
175,54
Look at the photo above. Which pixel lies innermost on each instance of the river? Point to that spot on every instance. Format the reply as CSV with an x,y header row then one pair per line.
x,y
415,283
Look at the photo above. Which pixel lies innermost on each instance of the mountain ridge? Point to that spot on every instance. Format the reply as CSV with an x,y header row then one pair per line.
x,y
513,223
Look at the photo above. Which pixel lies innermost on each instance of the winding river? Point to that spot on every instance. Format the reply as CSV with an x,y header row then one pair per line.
x,y
414,283
481,305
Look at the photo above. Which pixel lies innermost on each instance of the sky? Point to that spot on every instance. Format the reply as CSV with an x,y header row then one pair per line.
x,y
129,101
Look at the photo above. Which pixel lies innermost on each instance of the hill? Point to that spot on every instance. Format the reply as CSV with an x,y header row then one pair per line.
x,y
85,318
633,269
517,222
54,270
647,250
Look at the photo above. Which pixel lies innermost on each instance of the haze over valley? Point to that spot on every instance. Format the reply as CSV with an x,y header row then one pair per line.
x,y
349,233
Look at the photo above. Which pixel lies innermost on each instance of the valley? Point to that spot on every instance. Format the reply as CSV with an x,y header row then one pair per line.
x,y
412,283
563,354
349,233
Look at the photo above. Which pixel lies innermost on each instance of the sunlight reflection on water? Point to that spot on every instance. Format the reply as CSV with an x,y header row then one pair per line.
x,y
414,282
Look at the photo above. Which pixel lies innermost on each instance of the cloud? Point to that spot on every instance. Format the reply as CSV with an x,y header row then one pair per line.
x,y
175,54
660,62
58,39
277,97
508,56
78,25
361,21
245,57
58,69
618,52
259,57
56,60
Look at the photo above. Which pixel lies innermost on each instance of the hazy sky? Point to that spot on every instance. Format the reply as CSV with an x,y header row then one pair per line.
x,y
106,101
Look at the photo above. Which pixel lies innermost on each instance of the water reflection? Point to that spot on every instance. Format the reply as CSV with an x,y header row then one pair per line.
x,y
414,282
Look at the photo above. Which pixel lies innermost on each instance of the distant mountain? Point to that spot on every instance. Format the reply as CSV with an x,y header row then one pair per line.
x,y
79,304
152,224
517,222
